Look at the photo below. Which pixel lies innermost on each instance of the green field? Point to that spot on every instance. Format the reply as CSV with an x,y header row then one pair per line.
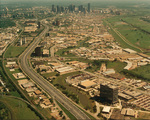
x,y
142,72
4,23
65,52
49,74
5,114
12,90
14,51
133,29
72,92
18,109
116,65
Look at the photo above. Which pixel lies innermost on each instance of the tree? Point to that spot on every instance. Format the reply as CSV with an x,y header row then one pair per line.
x,y
61,113
94,109
64,118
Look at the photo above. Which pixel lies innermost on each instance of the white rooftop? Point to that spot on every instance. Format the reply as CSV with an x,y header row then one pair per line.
x,y
106,109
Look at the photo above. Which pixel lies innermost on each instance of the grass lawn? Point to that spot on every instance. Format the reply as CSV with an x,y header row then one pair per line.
x,y
81,43
66,111
14,51
15,93
142,72
65,52
84,98
5,113
49,74
116,65
133,29
80,59
19,109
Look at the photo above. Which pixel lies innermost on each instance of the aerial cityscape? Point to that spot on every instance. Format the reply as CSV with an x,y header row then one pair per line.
x,y
75,60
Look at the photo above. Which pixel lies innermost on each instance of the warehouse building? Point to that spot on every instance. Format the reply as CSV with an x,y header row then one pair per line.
x,y
87,84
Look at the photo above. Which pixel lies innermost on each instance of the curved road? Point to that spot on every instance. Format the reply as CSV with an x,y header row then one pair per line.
x,y
44,84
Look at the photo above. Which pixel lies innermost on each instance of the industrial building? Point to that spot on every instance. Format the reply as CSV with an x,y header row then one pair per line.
x,y
87,84
109,93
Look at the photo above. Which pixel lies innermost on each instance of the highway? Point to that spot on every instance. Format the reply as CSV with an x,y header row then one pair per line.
x,y
44,84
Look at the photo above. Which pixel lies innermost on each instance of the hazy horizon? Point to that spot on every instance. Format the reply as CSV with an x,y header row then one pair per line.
x,y
94,3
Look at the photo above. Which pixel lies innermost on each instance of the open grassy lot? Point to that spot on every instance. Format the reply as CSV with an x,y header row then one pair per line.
x,y
14,51
12,90
72,92
4,23
135,30
65,52
116,65
49,74
96,64
142,72
138,22
19,109
5,113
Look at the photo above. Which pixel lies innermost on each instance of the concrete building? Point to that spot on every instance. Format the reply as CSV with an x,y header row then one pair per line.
x,y
129,51
39,24
38,51
109,93
45,53
89,7
87,84
106,109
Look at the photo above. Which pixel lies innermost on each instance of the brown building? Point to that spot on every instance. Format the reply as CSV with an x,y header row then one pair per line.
x,y
38,51
109,93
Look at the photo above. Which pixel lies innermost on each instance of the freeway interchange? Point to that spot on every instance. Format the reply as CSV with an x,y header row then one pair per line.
x,y
44,84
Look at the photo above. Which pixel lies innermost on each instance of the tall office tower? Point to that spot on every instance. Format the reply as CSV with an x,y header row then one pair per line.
x,y
53,8
89,7
39,24
80,8
20,42
62,9
73,7
70,7
58,9
38,51
23,40
57,23
109,93
84,10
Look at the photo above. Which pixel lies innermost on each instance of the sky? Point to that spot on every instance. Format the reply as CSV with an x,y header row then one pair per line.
x,y
98,3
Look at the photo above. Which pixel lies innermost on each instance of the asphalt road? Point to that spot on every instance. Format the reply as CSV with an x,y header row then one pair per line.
x,y
44,84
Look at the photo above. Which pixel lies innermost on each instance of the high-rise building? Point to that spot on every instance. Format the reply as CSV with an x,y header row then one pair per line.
x,y
89,7
53,8
57,23
109,93
81,8
23,40
62,9
20,42
58,9
38,51
39,24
